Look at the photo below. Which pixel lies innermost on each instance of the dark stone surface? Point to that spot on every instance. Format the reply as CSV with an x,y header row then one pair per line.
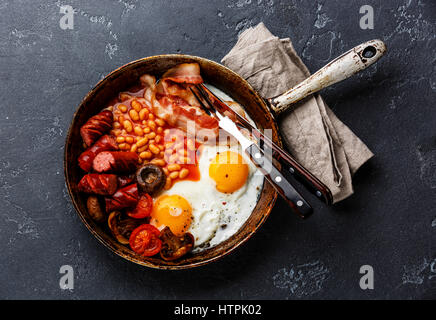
x,y
389,223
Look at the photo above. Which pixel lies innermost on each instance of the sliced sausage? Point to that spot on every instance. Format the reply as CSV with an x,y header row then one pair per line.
x,y
105,143
115,161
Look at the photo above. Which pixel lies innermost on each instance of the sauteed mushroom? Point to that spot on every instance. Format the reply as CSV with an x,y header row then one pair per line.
x,y
150,178
174,247
122,226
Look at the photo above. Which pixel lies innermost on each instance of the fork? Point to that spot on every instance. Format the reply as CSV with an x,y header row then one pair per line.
x,y
269,170
312,183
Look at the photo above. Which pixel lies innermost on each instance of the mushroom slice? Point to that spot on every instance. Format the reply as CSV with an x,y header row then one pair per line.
x,y
150,178
174,247
122,226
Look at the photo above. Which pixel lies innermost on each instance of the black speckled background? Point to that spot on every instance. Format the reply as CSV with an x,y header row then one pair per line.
x,y
389,223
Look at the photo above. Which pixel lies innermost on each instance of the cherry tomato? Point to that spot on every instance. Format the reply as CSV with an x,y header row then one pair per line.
x,y
143,208
145,241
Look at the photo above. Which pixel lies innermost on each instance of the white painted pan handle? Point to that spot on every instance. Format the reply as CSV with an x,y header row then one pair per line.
x,y
339,69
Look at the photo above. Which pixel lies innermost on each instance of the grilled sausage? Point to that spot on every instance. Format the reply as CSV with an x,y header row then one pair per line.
x,y
125,180
96,126
94,209
115,161
105,143
103,184
126,197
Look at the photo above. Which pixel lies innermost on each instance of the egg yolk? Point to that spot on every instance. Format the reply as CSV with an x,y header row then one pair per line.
x,y
229,171
172,211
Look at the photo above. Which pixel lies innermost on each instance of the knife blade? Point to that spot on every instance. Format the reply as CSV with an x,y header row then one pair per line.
x,y
271,173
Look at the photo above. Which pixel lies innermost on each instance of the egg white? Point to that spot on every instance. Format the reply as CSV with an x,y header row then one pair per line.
x,y
216,215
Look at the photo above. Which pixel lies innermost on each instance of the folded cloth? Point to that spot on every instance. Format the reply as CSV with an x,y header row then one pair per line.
x,y
311,131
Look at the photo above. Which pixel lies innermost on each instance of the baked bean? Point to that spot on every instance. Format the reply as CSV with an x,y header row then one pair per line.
x,y
183,173
134,115
147,130
122,146
158,139
136,105
134,147
122,108
166,171
129,139
151,124
121,119
174,167
168,183
116,132
142,142
161,154
160,122
161,147
154,149
151,135
145,155
143,114
121,139
151,116
116,125
158,162
128,125
159,130
142,148
138,131
174,175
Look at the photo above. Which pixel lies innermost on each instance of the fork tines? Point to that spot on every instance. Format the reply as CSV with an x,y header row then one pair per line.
x,y
204,101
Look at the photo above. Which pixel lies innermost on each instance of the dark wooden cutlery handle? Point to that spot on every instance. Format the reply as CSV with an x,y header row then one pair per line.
x,y
279,182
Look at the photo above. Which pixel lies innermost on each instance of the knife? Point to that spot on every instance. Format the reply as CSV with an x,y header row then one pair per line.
x,y
271,173
312,183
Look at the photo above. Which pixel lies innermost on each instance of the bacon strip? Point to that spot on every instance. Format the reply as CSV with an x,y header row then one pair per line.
x,y
172,101
184,73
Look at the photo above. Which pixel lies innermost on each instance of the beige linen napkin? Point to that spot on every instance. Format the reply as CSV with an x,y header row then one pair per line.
x,y
312,132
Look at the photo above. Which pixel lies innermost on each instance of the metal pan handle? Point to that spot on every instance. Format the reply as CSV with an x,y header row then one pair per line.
x,y
339,69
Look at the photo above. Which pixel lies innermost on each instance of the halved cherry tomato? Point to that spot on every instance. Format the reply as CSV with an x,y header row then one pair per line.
x,y
145,241
143,207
